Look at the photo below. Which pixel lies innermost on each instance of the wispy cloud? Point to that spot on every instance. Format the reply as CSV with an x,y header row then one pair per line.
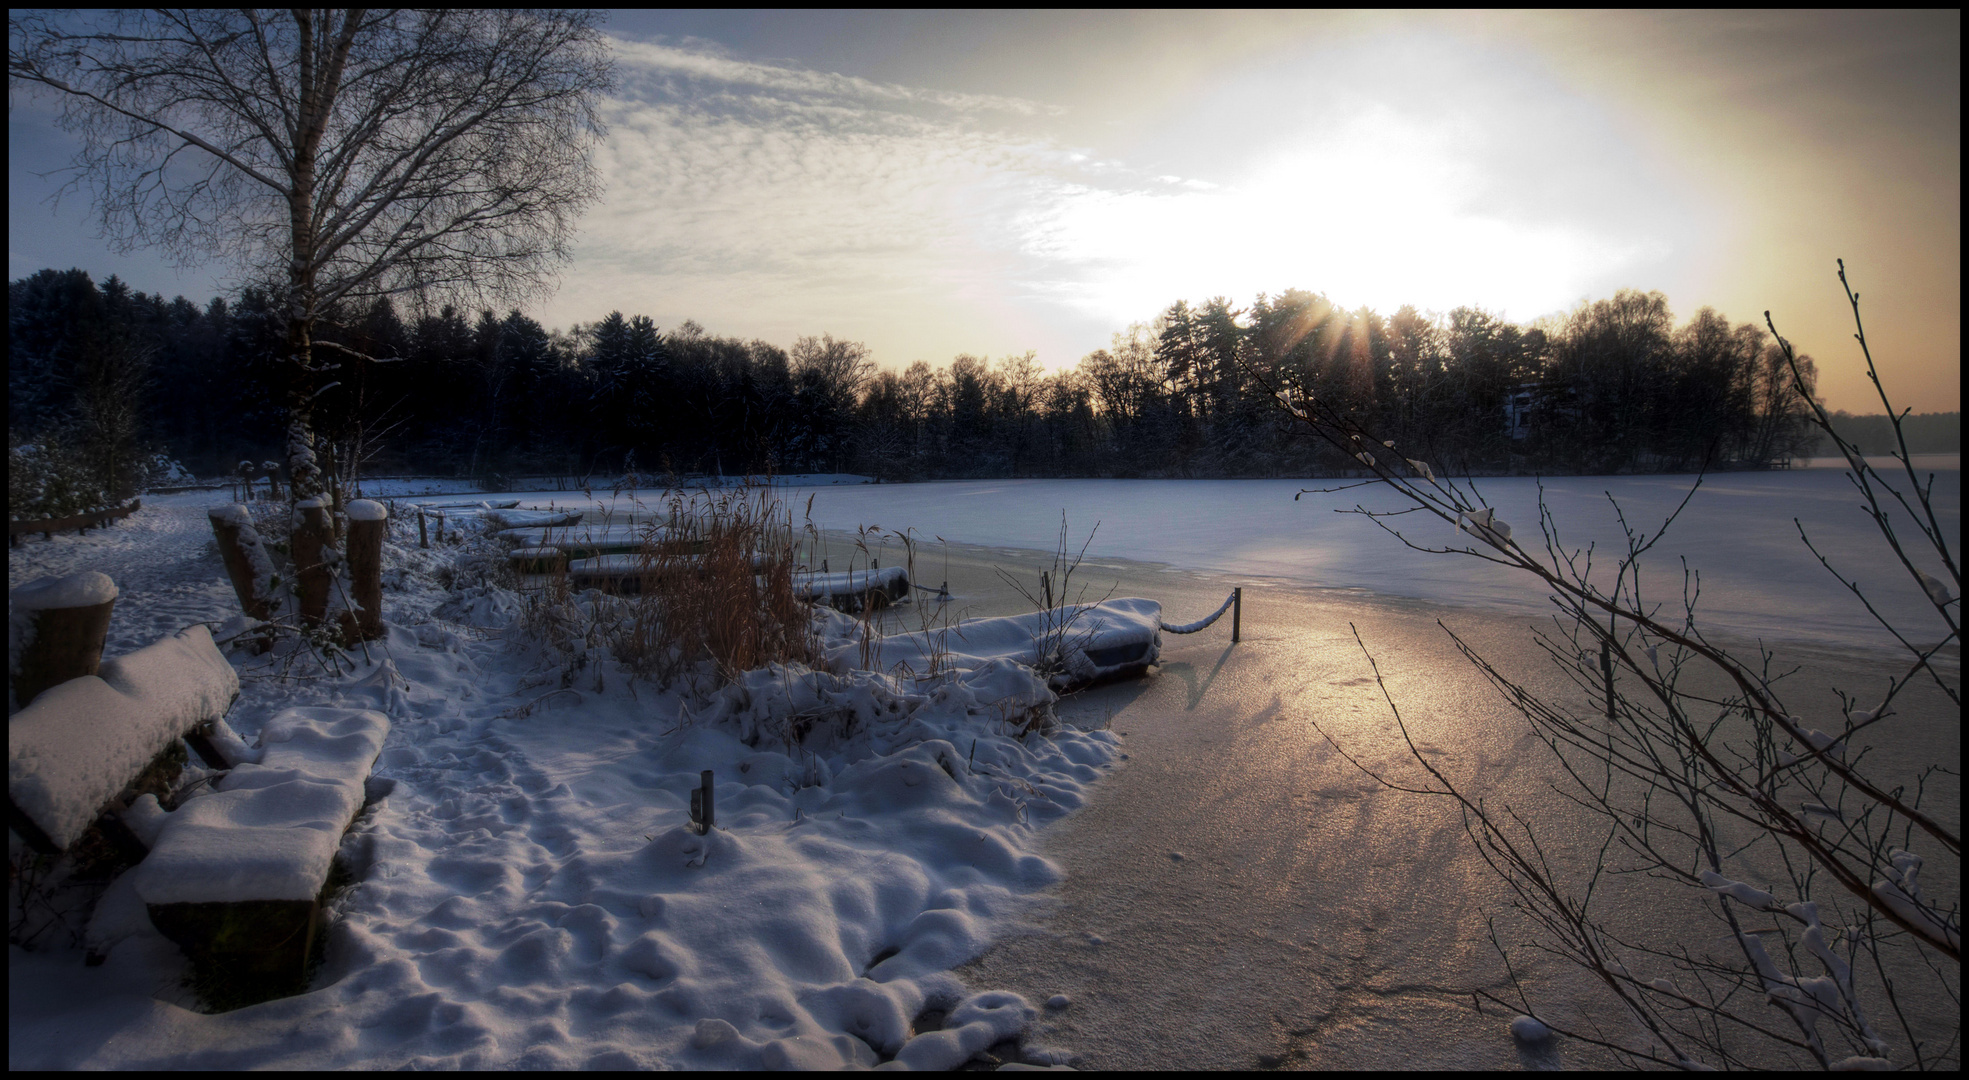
x,y
773,200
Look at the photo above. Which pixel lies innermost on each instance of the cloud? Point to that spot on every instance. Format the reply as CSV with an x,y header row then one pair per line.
x,y
773,201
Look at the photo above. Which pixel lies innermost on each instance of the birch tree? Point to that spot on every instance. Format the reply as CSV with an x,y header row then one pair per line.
x,y
333,156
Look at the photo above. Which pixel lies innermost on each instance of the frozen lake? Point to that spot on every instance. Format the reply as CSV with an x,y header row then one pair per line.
x,y
1757,578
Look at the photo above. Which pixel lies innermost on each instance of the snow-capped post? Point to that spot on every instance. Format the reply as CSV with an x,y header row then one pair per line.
x,y
56,631
245,558
1237,612
367,522
701,810
313,549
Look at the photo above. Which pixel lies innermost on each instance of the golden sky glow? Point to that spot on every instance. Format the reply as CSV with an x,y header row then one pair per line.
x,y
937,183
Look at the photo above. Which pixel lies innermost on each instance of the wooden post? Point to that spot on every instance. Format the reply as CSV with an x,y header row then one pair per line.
x,y
367,522
239,546
1237,611
69,617
423,539
313,544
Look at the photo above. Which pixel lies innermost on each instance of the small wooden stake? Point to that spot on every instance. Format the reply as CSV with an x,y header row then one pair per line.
x,y
701,808
423,541
1237,611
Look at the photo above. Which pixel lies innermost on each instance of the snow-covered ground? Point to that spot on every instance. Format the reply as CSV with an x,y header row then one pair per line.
x,y
529,893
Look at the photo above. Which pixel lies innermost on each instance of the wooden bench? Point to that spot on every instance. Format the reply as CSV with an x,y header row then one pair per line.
x,y
233,877
236,876
74,752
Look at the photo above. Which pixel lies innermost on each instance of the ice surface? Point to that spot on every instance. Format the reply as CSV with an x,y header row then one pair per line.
x,y
271,829
85,589
80,743
1758,579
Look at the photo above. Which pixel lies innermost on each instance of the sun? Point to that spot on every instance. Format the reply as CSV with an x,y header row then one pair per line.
x,y
1379,210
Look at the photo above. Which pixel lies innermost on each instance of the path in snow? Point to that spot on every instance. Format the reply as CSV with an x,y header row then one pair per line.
x,y
162,558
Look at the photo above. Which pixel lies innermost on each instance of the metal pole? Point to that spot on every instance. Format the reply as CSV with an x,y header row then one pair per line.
x,y
1237,611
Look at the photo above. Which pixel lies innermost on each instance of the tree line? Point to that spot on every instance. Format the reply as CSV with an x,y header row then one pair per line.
x,y
1614,386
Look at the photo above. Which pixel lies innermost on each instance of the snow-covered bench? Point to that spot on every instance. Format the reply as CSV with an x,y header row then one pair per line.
x,y
235,877
77,747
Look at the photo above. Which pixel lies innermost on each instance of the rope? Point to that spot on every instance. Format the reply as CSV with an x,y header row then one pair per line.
x,y
1191,628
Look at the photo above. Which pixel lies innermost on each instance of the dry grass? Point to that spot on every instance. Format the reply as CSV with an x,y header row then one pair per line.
x,y
715,578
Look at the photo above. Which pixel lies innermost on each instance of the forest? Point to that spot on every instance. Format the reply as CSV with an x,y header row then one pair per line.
x,y
107,379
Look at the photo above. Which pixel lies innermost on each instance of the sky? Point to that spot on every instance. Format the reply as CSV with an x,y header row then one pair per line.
x,y
937,183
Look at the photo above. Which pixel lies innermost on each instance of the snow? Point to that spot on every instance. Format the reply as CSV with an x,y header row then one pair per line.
x,y
272,828
529,892
1083,642
1529,1029
85,589
512,519
1203,623
619,534
890,580
366,510
81,742
230,514
183,679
